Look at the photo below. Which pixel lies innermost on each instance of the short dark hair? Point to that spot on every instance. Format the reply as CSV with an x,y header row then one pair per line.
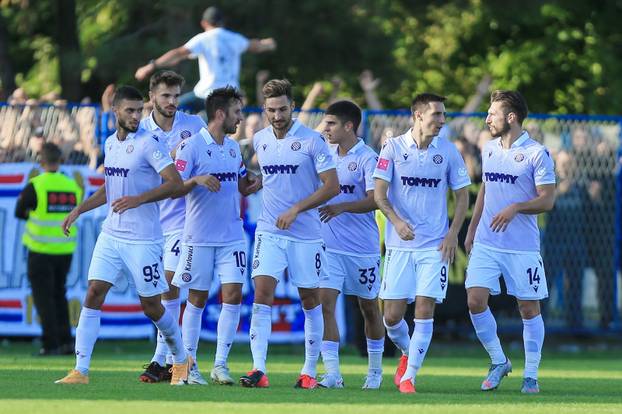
x,y
421,101
50,153
277,87
221,98
213,16
167,77
346,111
511,101
126,92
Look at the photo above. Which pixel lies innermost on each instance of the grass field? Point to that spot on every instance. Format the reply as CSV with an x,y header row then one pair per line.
x,y
589,382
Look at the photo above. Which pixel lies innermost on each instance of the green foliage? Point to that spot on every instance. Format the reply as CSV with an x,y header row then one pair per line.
x,y
564,56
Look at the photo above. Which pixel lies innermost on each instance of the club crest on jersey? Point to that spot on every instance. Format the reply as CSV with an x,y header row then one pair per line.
x,y
255,264
352,166
185,134
296,146
157,154
438,159
519,157
232,153
156,138
129,149
186,277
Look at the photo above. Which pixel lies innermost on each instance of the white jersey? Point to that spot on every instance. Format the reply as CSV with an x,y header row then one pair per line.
x,y
419,180
351,233
290,168
132,167
511,176
172,211
212,219
218,51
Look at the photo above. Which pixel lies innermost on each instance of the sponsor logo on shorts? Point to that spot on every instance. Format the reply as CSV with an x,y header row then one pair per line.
x,y
188,266
186,277
255,264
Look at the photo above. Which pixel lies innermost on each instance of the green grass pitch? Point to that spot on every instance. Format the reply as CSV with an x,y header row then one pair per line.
x,y
588,382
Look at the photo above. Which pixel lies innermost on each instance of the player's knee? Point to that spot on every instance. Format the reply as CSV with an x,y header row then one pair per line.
x,y
476,304
153,310
529,310
369,309
391,318
172,294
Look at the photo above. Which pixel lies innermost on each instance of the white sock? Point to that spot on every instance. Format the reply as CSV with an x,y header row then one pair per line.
x,y
533,338
419,344
375,349
399,335
330,356
162,355
172,335
314,329
261,327
86,335
191,329
228,322
486,330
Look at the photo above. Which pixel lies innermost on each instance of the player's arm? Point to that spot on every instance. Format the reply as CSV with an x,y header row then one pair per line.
x,y
170,58
364,205
26,202
249,184
450,242
478,208
328,190
404,230
170,187
261,45
96,200
544,201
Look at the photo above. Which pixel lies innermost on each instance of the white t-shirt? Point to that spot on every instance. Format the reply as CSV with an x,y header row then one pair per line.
x,y
511,176
419,180
212,218
290,168
172,211
219,51
132,167
352,233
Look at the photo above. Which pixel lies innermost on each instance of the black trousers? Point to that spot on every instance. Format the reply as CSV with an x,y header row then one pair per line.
x,y
48,274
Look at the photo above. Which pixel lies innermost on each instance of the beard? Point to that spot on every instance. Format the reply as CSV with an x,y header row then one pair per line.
x,y
504,130
163,111
230,127
124,125
282,125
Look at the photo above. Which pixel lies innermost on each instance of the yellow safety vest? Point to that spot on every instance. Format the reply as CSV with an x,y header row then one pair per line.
x,y
57,195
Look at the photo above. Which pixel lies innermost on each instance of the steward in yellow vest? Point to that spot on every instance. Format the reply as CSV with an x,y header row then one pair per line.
x,y
44,203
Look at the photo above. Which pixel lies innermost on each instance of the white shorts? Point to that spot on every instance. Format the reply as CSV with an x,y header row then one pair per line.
x,y
172,250
143,262
303,260
408,274
523,273
352,275
198,265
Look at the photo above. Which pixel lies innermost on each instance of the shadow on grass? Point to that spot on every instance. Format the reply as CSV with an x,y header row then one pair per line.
x,y
433,390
